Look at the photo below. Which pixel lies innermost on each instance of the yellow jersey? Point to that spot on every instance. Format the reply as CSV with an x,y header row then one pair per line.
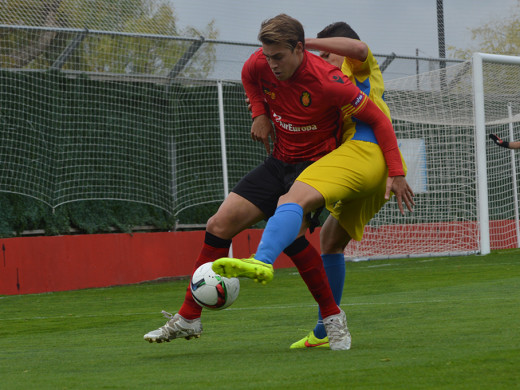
x,y
368,78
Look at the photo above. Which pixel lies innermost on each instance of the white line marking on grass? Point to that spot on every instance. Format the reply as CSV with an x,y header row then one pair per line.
x,y
278,307
371,303
395,265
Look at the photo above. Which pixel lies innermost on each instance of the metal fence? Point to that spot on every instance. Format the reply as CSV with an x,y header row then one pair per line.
x,y
150,56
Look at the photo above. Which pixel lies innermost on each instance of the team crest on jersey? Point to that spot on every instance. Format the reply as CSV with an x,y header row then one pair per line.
x,y
272,95
305,99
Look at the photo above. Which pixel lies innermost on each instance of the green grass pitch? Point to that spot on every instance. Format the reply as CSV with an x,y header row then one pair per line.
x,y
428,323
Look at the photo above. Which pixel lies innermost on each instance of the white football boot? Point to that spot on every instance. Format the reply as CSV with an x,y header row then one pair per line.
x,y
337,331
176,327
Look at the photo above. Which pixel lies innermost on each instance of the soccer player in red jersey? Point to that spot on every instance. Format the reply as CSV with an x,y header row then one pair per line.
x,y
369,167
306,99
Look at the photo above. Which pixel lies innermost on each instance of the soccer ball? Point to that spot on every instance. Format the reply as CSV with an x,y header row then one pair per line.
x,y
211,290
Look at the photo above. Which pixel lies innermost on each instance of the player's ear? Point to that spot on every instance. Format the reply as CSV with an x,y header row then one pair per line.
x,y
299,47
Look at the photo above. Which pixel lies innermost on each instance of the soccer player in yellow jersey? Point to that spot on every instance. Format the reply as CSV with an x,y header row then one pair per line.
x,y
341,46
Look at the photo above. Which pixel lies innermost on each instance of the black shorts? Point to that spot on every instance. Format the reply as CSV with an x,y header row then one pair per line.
x,y
268,181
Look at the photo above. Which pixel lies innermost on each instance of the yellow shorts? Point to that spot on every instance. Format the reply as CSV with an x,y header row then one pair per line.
x,y
352,180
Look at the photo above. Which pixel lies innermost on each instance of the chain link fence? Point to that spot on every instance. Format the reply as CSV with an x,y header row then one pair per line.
x,y
152,57
93,120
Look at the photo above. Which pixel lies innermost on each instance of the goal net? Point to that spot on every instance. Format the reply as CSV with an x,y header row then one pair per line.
x,y
434,118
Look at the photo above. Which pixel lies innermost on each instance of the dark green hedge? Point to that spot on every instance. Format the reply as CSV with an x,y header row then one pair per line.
x,y
130,134
19,214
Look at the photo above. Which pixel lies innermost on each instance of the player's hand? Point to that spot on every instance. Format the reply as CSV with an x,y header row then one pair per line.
x,y
248,102
498,141
402,191
262,130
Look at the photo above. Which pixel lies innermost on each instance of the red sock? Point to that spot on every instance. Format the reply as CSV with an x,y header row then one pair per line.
x,y
310,266
191,309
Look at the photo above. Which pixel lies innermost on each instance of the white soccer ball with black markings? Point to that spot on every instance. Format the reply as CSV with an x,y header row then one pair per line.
x,y
211,290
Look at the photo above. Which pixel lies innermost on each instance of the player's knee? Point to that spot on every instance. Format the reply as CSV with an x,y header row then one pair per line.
x,y
331,244
218,225
329,247
307,204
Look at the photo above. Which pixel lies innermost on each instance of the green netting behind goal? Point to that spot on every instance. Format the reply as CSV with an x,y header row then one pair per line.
x,y
156,145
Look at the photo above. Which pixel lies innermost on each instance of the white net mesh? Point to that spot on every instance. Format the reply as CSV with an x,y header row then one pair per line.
x,y
67,139
142,16
109,101
98,115
433,116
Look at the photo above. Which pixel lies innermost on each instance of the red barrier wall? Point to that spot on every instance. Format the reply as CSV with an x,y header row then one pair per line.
x,y
42,264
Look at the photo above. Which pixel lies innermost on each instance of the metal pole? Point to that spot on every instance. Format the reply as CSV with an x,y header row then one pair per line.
x,y
58,64
480,153
440,32
480,135
388,60
186,57
223,145
417,67
442,45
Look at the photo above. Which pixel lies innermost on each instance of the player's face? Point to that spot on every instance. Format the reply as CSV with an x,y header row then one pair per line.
x,y
282,60
331,58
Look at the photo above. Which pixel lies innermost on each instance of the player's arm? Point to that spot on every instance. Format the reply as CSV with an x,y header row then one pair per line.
x,y
253,88
262,128
504,144
367,111
354,103
346,47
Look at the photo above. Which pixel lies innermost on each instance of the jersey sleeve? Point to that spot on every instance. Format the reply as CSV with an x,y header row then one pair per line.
x,y
253,88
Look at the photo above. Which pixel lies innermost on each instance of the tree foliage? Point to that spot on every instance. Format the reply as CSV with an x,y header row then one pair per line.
x,y
500,36
99,53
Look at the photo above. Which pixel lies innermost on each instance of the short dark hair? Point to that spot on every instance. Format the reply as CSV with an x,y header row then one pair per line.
x,y
282,30
338,29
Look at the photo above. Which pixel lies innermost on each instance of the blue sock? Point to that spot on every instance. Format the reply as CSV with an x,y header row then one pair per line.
x,y
281,230
335,269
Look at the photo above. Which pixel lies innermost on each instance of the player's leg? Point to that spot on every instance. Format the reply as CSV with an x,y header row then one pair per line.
x,y
310,266
281,230
250,201
349,214
344,175
333,240
322,183
233,216
253,198
284,226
